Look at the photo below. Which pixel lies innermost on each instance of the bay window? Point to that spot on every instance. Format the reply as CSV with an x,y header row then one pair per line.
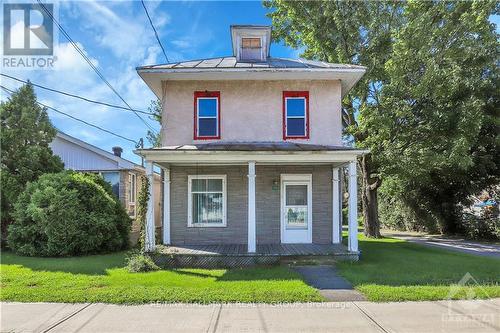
x,y
207,201
206,115
295,115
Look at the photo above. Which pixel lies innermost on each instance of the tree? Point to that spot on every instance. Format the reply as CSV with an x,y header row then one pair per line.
x,y
68,213
427,107
24,139
355,32
440,108
156,109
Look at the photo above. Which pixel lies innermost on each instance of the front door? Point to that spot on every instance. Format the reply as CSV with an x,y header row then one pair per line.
x,y
296,212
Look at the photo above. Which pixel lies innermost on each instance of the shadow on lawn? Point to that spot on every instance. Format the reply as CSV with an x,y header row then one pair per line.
x,y
100,264
384,261
264,273
88,265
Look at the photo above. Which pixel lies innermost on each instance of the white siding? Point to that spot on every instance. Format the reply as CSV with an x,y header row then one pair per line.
x,y
76,157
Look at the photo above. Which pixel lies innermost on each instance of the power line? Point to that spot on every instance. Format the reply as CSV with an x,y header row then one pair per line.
x,y
86,58
154,29
75,96
74,118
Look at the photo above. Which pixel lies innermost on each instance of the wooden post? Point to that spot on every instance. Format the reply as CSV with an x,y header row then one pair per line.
x,y
166,206
252,242
353,207
336,226
149,244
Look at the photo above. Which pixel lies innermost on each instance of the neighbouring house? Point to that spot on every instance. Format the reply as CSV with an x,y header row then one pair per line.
x,y
123,175
252,150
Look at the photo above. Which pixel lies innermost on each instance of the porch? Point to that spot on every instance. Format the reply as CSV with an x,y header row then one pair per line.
x,y
280,250
253,202
237,255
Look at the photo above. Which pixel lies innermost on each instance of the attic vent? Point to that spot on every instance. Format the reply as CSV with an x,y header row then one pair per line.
x,y
251,49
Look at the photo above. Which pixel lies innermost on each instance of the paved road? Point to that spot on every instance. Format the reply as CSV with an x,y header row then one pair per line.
x,y
454,244
442,316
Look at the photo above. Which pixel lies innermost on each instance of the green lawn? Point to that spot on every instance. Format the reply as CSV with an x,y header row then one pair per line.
x,y
103,279
389,270
395,270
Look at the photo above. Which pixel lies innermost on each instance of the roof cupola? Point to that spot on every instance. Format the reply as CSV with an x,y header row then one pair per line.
x,y
251,42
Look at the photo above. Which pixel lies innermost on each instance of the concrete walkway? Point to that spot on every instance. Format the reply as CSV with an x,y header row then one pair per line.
x,y
453,244
442,316
329,284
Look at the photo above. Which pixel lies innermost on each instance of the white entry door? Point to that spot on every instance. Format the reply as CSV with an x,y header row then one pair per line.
x,y
296,208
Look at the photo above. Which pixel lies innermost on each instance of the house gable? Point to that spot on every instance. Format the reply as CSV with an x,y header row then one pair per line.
x,y
81,156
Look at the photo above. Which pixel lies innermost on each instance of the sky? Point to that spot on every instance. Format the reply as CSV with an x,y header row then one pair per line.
x,y
117,37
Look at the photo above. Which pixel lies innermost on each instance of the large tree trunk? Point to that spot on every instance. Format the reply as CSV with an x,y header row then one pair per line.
x,y
369,199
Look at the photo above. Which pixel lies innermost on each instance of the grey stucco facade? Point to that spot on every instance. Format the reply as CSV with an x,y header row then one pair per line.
x,y
267,204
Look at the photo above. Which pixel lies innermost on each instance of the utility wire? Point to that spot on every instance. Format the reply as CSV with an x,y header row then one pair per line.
x,y
154,29
86,58
74,118
75,96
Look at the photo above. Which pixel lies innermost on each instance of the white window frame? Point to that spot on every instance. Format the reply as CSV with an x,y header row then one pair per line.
x,y
190,202
296,117
198,117
130,202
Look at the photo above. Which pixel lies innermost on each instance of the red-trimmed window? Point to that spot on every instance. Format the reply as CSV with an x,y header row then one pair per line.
x,y
295,115
206,115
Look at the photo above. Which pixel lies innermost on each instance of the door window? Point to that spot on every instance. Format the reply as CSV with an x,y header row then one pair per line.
x,y
296,206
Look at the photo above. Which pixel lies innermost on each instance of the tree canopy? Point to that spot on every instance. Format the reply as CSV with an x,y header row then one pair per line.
x,y
24,139
427,107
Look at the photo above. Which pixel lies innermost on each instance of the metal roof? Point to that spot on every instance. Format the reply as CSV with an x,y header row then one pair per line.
x,y
270,63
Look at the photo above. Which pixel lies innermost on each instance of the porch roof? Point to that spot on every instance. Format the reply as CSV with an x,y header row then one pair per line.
x,y
258,146
260,152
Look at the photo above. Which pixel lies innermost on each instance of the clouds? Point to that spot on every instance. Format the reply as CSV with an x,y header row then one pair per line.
x,y
69,59
107,34
125,34
117,37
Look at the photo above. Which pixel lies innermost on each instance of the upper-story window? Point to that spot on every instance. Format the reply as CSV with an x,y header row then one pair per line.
x,y
251,48
295,115
206,115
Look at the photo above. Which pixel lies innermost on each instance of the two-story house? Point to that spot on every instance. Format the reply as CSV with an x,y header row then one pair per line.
x,y
252,148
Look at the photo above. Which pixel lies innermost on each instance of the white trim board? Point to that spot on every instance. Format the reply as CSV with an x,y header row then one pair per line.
x,y
242,157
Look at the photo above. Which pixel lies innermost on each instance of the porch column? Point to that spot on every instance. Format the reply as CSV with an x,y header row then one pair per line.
x,y
353,207
149,243
336,224
166,206
252,242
